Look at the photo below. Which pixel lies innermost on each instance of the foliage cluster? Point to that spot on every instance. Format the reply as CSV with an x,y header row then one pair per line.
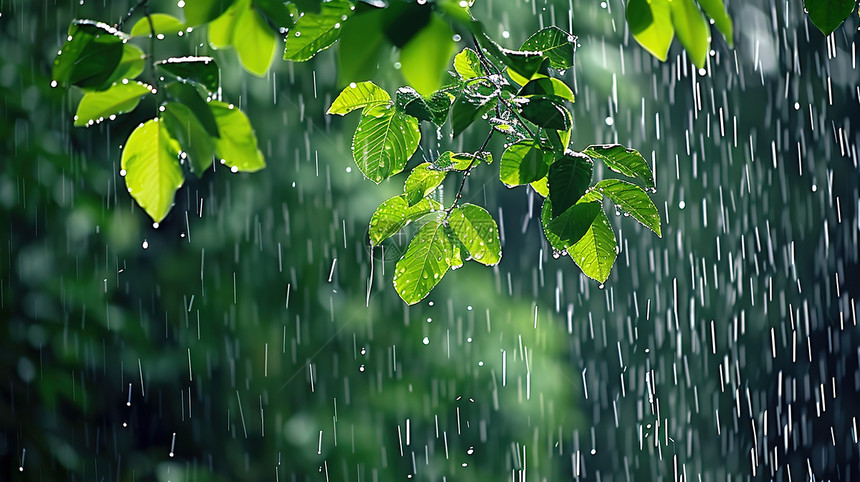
x,y
515,95
513,90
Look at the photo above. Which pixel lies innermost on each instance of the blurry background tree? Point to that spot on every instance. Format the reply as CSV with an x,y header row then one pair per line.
x,y
234,341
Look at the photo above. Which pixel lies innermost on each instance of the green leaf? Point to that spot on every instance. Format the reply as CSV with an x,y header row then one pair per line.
x,y
565,230
828,15
595,252
277,11
546,112
131,64
468,107
254,41
547,86
198,12
427,259
308,6
459,248
478,232
622,160
456,10
692,30
358,96
422,181
184,126
468,65
567,180
384,140
524,64
360,46
409,101
540,186
559,140
394,214
223,28
162,23
650,22
426,56
523,163
151,168
315,32
199,70
556,45
404,20
118,99
237,145
188,95
632,200
90,55
449,161
717,11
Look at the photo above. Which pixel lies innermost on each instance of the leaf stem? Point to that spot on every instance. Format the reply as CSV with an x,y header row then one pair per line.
x,y
466,174
491,66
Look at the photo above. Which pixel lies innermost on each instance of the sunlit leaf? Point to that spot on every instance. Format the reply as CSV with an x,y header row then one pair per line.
x,y
200,70
394,214
120,98
828,15
131,64
198,12
567,180
632,200
422,181
237,144
556,45
468,65
622,160
565,230
717,11
222,29
457,10
650,22
162,23
254,41
595,252
358,96
692,30
384,140
424,58
360,46
523,163
90,55
194,140
547,86
151,166
540,186
427,259
315,32
478,232
450,161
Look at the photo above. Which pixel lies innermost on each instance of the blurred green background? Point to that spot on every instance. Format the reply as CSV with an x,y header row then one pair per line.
x,y
238,341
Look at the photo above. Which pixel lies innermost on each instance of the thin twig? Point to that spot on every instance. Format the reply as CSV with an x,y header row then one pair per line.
x,y
466,173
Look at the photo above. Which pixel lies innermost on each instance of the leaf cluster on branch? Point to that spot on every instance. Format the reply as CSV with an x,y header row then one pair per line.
x,y
512,93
